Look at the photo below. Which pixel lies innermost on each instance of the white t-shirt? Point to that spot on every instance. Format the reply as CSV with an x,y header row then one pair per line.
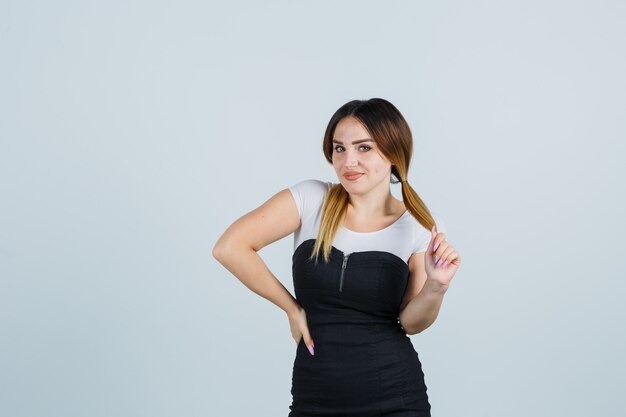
x,y
402,238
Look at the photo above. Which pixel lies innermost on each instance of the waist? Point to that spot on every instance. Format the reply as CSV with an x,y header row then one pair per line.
x,y
357,333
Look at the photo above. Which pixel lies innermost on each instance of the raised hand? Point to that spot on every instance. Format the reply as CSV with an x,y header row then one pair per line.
x,y
441,260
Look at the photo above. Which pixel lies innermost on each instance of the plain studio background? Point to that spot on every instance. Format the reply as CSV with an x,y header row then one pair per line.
x,y
133,133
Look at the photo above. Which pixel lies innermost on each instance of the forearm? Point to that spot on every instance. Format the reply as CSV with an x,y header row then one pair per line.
x,y
249,268
422,310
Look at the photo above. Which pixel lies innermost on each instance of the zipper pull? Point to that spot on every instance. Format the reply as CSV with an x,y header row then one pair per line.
x,y
343,270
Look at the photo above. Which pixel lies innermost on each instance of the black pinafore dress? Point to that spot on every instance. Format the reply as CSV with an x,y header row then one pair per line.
x,y
364,362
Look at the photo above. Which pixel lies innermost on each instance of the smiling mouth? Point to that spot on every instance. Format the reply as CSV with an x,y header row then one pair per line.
x,y
353,176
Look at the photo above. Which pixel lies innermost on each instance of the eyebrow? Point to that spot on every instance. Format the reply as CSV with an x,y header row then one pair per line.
x,y
355,142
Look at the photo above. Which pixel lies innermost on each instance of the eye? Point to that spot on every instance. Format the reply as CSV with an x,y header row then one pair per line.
x,y
339,148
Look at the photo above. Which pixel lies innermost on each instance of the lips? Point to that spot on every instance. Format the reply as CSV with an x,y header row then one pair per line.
x,y
352,175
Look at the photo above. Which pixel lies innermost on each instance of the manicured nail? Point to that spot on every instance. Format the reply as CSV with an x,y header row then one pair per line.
x,y
438,263
436,246
445,264
436,259
311,349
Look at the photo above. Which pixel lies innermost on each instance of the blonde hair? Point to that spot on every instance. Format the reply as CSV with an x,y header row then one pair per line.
x,y
393,137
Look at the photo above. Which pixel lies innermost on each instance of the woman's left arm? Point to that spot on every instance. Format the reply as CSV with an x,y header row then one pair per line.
x,y
435,269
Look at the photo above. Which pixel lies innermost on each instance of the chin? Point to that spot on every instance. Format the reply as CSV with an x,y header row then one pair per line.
x,y
355,188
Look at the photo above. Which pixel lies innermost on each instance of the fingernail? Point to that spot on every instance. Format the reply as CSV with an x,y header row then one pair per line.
x,y
437,264
445,264
436,246
310,349
436,260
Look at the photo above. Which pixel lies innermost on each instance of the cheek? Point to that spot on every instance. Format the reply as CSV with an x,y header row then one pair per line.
x,y
380,169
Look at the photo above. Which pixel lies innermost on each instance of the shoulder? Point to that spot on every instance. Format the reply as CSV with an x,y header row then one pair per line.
x,y
441,225
311,185
422,235
309,193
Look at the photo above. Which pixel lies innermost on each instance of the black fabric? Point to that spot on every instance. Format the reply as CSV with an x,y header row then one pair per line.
x,y
364,362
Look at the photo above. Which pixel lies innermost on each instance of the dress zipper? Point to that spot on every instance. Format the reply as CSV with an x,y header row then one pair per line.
x,y
343,270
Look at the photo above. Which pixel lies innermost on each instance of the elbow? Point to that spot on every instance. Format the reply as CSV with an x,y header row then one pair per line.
x,y
411,331
223,251
422,326
221,248
408,328
217,252
415,328
220,252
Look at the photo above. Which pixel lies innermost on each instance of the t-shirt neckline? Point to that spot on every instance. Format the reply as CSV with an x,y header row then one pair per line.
x,y
376,231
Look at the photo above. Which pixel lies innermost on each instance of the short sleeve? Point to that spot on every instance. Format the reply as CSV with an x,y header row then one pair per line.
x,y
309,196
423,236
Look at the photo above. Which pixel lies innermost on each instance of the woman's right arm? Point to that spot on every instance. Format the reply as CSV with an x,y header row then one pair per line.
x,y
237,248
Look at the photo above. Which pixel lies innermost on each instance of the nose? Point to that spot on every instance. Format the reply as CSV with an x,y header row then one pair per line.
x,y
351,158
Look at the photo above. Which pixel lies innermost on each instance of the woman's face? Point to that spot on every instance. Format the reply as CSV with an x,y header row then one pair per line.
x,y
354,151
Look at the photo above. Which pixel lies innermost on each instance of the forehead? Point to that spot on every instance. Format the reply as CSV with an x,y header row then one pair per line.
x,y
349,129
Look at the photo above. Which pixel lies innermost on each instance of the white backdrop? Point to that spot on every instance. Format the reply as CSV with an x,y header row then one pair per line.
x,y
133,133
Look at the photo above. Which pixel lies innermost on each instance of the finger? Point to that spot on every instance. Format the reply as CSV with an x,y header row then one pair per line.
x,y
308,341
433,235
440,238
448,256
446,250
452,258
441,252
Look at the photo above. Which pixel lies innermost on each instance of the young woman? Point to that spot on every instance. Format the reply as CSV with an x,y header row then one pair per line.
x,y
368,269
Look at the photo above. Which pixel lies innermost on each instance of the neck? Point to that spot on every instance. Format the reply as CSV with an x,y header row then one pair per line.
x,y
379,202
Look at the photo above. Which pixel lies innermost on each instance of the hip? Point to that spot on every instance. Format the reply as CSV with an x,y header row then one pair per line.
x,y
354,374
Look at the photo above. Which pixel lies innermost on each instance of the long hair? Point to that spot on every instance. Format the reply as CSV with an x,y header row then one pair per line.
x,y
393,137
